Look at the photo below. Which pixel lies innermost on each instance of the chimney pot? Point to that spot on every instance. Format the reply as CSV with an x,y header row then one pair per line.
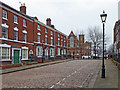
x,y
23,8
48,21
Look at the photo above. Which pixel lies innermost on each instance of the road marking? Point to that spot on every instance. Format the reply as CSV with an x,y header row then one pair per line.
x,y
64,79
52,86
58,82
75,72
69,75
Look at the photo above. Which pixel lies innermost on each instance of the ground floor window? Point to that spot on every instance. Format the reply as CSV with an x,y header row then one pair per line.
x,y
24,54
58,51
46,52
39,51
4,52
52,52
64,51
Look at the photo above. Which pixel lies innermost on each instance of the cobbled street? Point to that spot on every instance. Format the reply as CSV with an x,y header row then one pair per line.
x,y
71,74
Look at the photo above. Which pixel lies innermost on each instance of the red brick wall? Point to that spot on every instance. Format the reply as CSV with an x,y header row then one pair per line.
x,y
0,23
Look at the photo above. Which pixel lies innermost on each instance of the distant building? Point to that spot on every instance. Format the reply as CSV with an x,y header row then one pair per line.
x,y
78,47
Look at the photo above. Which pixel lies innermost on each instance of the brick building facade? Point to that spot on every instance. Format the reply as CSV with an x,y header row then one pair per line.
x,y
117,40
23,37
78,47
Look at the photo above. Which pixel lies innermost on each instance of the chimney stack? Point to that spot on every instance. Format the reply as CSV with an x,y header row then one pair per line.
x,y
48,22
23,8
53,26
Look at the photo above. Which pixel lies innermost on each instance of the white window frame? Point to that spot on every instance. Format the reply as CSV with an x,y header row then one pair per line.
x,y
58,35
51,40
16,30
24,23
4,46
40,53
15,19
51,32
46,39
64,51
52,52
38,27
38,37
4,12
58,51
5,26
58,41
71,42
45,30
25,48
25,32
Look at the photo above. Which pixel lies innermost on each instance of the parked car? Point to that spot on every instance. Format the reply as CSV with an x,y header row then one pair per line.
x,y
86,57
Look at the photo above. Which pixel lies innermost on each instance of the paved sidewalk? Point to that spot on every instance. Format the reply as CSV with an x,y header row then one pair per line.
x,y
111,79
24,67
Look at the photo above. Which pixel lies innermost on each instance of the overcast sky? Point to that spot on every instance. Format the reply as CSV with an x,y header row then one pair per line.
x,y
76,15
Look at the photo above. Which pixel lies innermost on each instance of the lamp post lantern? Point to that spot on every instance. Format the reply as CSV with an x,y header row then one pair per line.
x,y
42,50
103,18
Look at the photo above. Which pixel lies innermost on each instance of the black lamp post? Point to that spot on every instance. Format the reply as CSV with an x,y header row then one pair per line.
x,y
42,51
103,18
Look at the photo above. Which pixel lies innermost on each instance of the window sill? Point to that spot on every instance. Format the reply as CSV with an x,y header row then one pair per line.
x,y
24,26
4,38
39,56
15,23
5,18
39,29
5,60
25,59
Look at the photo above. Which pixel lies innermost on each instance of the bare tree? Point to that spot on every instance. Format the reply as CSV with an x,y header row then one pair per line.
x,y
96,37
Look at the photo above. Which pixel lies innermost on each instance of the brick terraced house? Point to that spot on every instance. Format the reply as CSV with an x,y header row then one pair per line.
x,y
22,35
24,38
117,40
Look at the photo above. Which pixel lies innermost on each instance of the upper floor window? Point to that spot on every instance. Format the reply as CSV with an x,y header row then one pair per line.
x,y
4,32
15,19
46,39
24,36
51,41
58,42
38,27
64,44
38,36
71,42
4,14
24,22
51,32
61,42
15,35
45,30
58,35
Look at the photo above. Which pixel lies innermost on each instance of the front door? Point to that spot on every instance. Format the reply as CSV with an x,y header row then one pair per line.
x,y
16,56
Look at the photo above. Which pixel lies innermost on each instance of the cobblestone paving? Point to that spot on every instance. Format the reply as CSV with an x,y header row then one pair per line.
x,y
72,74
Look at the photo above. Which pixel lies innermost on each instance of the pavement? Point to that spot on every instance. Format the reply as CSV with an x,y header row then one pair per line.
x,y
111,80
25,67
